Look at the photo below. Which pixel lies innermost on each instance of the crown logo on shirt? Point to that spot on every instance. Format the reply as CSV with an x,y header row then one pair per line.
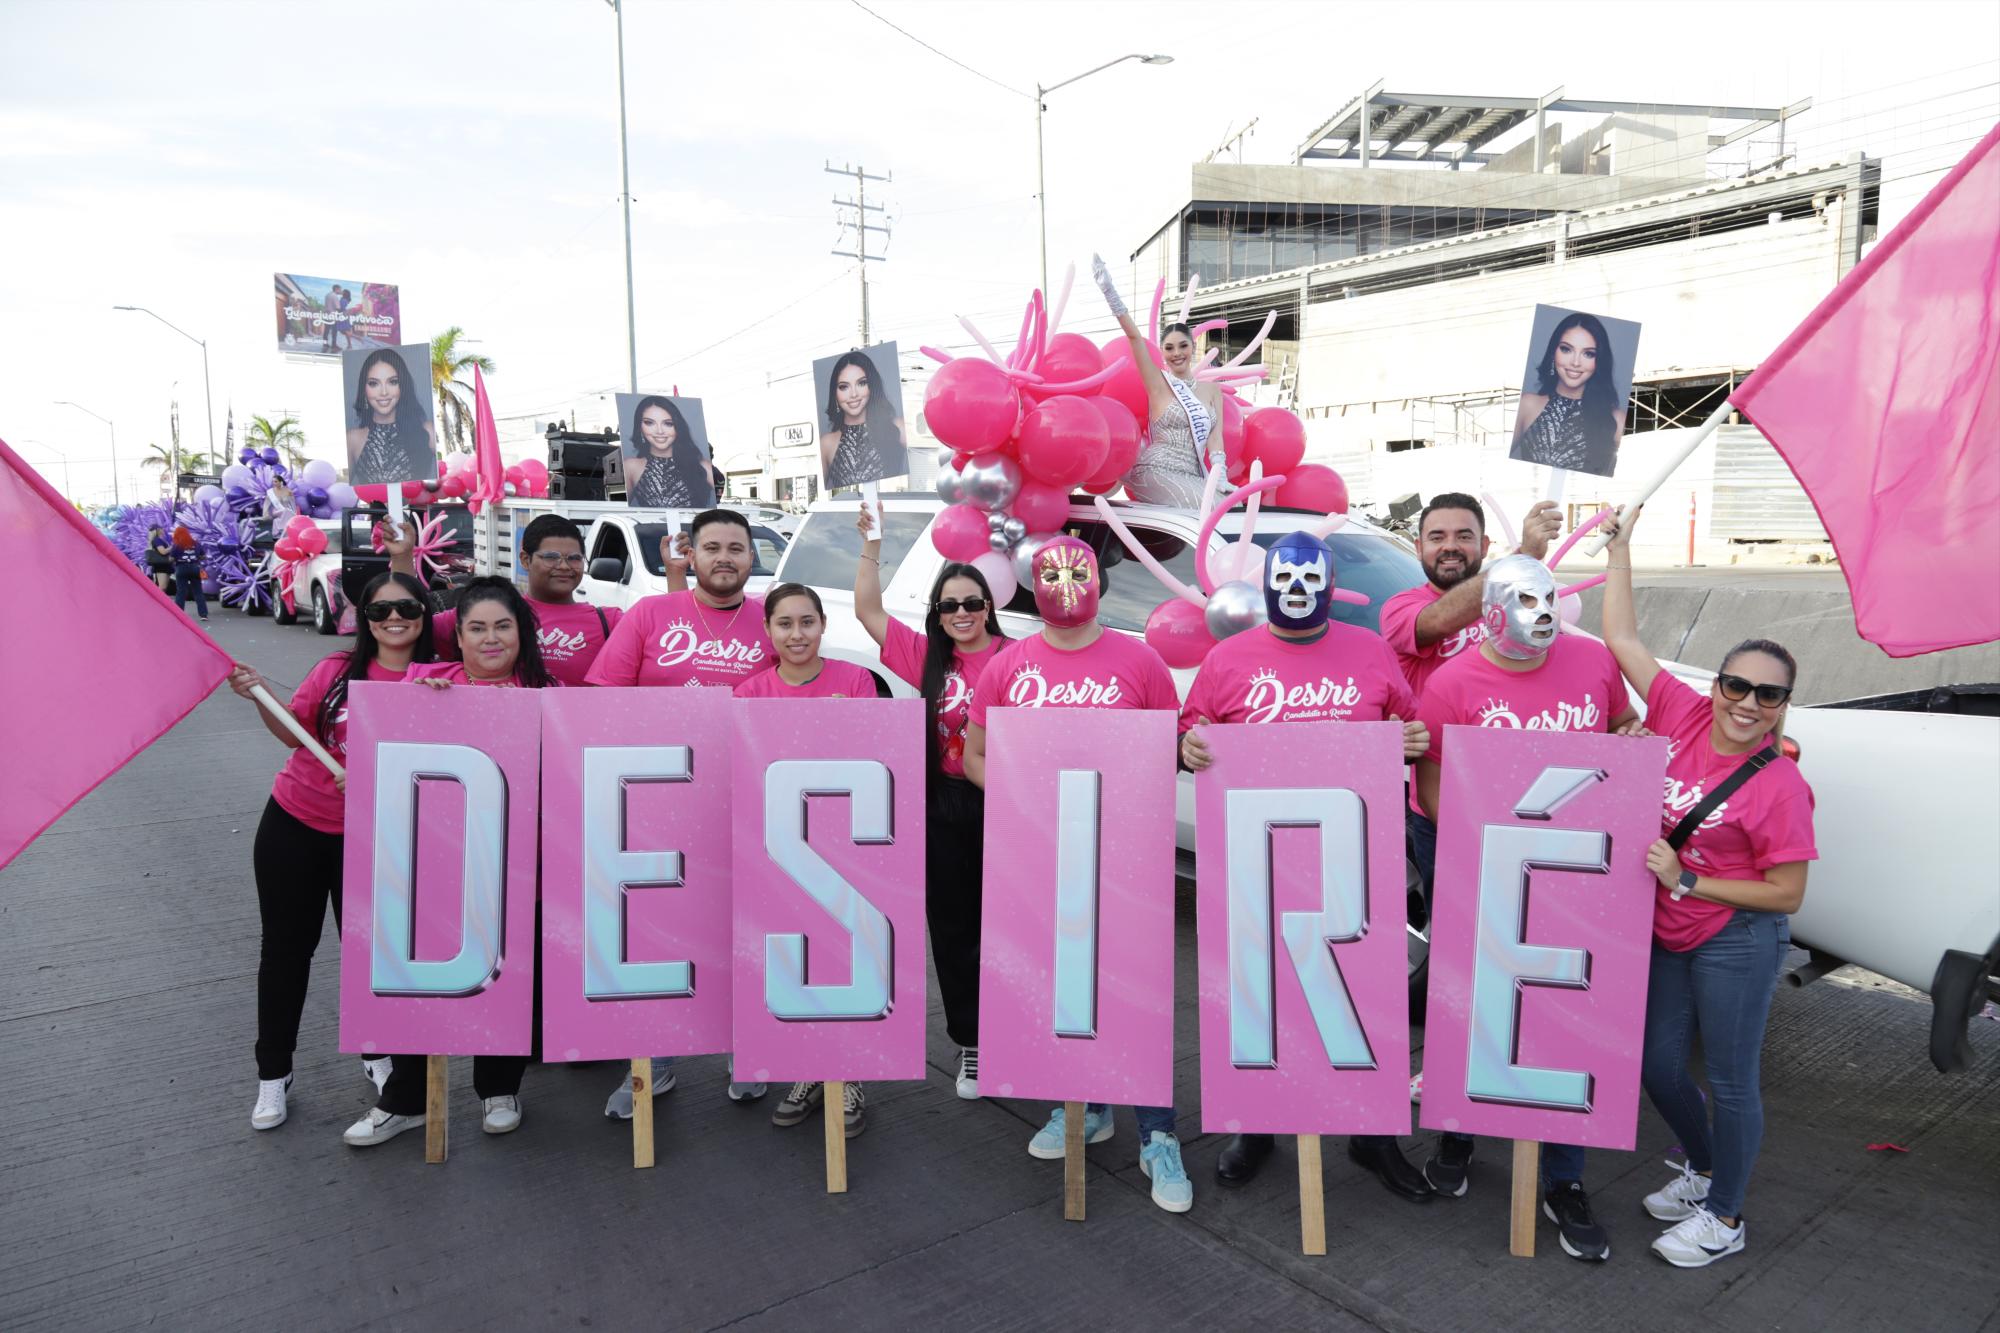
x,y
1263,676
1496,713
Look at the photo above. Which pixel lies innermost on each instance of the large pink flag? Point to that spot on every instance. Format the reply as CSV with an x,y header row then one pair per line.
x,y
1886,405
95,662
489,479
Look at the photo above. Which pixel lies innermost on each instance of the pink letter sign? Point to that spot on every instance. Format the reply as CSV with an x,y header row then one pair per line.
x,y
635,873
829,921
1542,934
1305,998
437,954
1076,969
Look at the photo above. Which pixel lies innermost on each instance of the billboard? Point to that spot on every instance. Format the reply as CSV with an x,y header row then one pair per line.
x,y
328,316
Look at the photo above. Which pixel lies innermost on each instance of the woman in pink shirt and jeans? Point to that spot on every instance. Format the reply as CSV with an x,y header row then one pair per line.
x,y
1720,930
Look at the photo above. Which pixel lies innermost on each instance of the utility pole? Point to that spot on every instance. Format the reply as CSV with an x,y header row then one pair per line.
x,y
860,209
625,196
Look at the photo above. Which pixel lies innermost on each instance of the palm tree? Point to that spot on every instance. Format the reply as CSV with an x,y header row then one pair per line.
x,y
285,435
158,456
451,385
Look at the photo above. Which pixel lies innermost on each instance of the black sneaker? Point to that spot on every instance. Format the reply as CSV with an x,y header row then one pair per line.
x,y
800,1102
1449,1166
1568,1207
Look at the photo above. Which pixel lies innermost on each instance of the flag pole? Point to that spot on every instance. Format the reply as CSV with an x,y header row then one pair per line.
x,y
305,738
1666,469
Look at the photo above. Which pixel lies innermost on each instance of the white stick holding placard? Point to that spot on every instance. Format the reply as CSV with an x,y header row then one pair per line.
x,y
395,490
1666,469
871,495
291,724
1558,478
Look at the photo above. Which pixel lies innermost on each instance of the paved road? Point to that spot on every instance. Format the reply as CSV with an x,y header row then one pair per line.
x,y
135,1192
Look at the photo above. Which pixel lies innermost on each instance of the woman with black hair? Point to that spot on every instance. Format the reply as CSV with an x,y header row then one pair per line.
x,y
297,854
664,468
1575,417
497,646
393,440
1184,434
961,635
1737,828
862,439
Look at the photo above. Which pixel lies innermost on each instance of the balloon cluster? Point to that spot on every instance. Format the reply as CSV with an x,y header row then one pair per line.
x,y
457,479
432,538
1060,413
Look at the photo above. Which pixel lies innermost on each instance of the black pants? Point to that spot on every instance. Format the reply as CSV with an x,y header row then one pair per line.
x,y
492,1075
187,583
298,872
953,891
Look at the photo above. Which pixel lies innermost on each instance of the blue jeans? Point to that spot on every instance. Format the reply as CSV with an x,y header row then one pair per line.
x,y
187,583
1151,1118
1721,989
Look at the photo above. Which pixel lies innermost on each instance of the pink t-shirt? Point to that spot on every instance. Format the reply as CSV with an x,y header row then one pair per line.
x,y
837,679
903,653
1113,671
571,636
303,787
673,639
455,673
1347,675
1399,631
1576,687
1766,822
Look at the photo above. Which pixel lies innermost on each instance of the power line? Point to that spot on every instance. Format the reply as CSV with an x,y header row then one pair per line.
x,y
934,51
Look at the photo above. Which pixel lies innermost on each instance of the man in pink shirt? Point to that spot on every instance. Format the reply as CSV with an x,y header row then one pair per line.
x,y
1075,663
1526,674
571,633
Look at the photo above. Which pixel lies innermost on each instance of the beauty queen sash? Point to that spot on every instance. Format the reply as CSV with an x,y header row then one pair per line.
x,y
1198,418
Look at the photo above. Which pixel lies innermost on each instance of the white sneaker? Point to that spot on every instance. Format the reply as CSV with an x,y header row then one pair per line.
x,y
269,1112
968,1072
1699,1239
378,1126
376,1071
503,1115
746,1092
1686,1192
619,1107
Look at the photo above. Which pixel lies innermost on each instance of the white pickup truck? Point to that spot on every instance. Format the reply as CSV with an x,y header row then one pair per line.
x,y
622,545
1907,789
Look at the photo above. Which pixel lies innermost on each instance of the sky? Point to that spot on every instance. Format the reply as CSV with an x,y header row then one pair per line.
x,y
174,154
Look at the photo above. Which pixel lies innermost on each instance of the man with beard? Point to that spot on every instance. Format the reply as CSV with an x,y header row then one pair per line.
x,y
712,635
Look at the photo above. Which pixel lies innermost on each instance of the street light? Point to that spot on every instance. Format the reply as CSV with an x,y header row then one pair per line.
x,y
1041,195
64,402
625,180
206,393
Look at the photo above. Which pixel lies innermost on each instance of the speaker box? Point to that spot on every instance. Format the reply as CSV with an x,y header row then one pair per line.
x,y
584,467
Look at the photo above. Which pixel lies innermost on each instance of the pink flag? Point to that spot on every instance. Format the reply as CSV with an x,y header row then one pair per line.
x,y
489,480
1886,405
98,662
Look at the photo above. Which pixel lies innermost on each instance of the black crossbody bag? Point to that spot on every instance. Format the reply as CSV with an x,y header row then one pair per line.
x,y
1723,790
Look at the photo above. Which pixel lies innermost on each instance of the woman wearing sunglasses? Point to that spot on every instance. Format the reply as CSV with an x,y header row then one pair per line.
x,y
297,854
497,646
961,635
1729,872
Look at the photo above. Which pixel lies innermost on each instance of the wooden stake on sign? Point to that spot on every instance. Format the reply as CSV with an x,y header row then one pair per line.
x,y
1527,1184
1312,1197
437,1107
1073,1161
642,1113
833,1109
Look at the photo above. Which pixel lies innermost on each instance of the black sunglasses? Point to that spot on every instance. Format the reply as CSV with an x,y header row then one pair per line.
x,y
409,608
950,606
1768,696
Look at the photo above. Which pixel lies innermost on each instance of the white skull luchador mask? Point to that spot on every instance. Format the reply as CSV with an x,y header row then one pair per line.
x,y
1518,607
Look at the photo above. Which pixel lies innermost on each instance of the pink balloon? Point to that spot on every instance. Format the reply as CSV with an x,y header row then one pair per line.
x,y
960,533
375,492
1126,386
1063,441
999,572
460,465
971,405
515,475
413,491
1042,508
312,541
1311,486
1274,437
1124,450
532,468
452,487
299,523
1069,356
539,486
287,549
1178,631
1232,440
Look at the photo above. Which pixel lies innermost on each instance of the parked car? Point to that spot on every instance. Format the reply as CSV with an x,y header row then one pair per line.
x,y
621,545
1908,884
289,603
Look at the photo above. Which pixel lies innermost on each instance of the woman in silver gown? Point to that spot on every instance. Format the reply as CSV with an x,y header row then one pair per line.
x,y
1184,431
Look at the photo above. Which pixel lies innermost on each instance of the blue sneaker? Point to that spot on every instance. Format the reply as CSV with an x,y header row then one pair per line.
x,y
1048,1143
1160,1161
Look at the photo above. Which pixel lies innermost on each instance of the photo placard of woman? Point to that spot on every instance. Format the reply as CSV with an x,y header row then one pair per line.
x,y
1575,386
860,417
666,452
389,434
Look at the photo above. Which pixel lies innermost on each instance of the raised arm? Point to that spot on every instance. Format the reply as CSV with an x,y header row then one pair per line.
x,y
1149,374
868,584
1621,617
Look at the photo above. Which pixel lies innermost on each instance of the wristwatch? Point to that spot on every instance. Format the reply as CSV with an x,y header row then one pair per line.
x,y
1687,882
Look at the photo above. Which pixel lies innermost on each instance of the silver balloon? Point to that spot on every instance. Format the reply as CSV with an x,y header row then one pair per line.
x,y
1023,556
996,522
998,541
990,482
949,488
1014,529
1234,607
